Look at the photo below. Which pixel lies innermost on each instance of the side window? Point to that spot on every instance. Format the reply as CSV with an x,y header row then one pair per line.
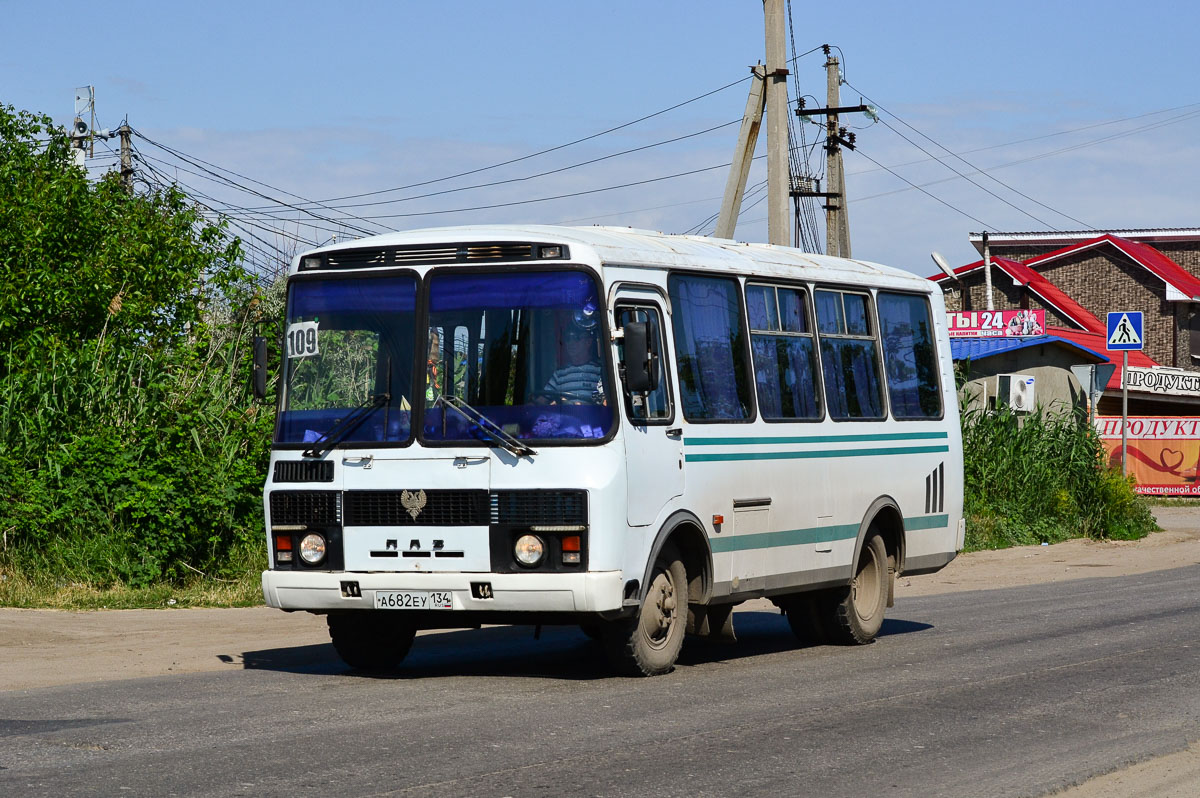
x,y
655,405
849,357
908,355
710,346
785,355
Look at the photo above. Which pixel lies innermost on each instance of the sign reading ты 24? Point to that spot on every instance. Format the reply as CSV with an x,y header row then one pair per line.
x,y
996,323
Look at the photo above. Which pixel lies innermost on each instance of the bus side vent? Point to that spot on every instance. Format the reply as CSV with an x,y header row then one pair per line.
x,y
436,254
318,507
536,507
303,471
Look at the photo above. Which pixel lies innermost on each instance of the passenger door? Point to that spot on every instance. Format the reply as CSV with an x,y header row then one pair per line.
x,y
653,444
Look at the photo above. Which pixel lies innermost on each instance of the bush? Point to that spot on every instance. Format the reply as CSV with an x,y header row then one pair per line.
x,y
131,451
1042,478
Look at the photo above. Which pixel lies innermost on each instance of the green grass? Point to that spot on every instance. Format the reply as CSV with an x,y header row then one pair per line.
x,y
34,589
1042,478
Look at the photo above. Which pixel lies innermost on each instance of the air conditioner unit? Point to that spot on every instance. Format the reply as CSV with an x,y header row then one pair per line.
x,y
1016,391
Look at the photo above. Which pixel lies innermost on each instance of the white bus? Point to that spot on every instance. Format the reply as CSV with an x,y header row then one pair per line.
x,y
624,430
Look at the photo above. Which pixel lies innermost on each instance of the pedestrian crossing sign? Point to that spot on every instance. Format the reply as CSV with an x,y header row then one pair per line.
x,y
1125,330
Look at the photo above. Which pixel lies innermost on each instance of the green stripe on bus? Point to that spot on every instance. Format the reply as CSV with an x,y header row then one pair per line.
x,y
926,522
818,534
758,441
790,537
812,454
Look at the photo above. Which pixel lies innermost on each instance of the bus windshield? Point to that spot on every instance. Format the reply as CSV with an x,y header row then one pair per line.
x,y
349,342
524,350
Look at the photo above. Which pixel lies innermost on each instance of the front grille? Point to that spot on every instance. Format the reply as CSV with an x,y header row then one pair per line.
x,y
436,254
538,507
304,471
317,507
416,508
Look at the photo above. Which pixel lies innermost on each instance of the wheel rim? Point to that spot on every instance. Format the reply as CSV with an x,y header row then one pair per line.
x,y
659,614
868,586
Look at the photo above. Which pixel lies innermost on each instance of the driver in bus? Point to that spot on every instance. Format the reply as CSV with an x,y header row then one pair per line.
x,y
581,379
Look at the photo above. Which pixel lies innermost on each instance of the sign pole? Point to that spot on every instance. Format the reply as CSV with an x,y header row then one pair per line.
x,y
1124,412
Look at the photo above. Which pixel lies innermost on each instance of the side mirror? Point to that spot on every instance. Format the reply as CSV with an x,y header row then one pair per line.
x,y
641,361
260,367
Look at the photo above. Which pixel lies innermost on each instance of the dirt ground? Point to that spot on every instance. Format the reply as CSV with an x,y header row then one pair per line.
x,y
45,648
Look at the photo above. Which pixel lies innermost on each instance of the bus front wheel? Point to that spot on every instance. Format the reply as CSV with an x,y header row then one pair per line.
x,y
648,643
854,614
371,640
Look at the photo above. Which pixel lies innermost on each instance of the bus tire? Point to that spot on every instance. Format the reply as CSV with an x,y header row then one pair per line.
x,y
854,614
371,640
648,643
804,617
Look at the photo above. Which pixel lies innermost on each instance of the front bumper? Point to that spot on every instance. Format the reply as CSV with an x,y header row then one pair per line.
x,y
573,592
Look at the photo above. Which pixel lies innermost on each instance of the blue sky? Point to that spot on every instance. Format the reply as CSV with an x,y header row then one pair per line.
x,y
1066,106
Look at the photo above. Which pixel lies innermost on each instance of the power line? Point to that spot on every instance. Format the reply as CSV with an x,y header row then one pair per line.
x,y
248,190
1050,135
539,152
1041,156
969,164
986,226
555,197
533,176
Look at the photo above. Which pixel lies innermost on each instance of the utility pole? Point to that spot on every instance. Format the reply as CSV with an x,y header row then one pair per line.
x,y
837,212
125,132
837,225
743,155
778,174
987,271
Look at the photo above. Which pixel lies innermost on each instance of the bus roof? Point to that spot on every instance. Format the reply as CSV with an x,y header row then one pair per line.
x,y
626,246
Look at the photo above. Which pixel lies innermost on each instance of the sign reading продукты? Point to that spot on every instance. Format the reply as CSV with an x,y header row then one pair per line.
x,y
1125,330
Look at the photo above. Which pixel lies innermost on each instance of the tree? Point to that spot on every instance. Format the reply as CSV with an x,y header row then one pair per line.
x,y
130,448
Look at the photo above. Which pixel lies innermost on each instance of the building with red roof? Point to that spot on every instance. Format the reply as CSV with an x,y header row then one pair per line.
x,y
1077,278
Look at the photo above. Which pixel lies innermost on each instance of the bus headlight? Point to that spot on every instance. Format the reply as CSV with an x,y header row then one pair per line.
x,y
529,550
312,548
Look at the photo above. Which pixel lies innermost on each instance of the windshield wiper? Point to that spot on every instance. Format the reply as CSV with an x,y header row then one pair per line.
x,y
507,441
347,424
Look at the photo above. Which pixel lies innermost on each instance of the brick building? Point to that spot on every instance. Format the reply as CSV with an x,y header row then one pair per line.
x,y
1154,271
1079,277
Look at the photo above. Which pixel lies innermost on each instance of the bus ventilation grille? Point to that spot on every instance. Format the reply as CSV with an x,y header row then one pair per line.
x,y
439,508
435,254
534,507
318,507
303,471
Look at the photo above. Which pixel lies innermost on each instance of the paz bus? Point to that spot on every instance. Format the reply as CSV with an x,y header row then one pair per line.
x,y
622,430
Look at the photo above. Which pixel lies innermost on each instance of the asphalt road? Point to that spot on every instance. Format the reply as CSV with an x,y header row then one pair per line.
x,y
991,693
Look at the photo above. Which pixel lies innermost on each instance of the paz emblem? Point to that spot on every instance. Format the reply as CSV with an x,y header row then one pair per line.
x,y
413,502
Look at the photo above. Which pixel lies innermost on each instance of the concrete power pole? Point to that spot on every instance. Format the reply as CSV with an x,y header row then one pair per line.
x,y
837,219
778,174
743,155
125,132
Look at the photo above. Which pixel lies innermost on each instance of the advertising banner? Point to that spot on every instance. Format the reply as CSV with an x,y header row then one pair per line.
x,y
996,323
1163,452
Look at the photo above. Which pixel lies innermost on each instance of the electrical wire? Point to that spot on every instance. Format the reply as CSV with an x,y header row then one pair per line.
x,y
969,164
255,192
539,152
897,175
536,175
1041,156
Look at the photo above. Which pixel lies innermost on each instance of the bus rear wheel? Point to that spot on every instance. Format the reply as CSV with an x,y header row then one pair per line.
x,y
854,614
371,640
648,643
